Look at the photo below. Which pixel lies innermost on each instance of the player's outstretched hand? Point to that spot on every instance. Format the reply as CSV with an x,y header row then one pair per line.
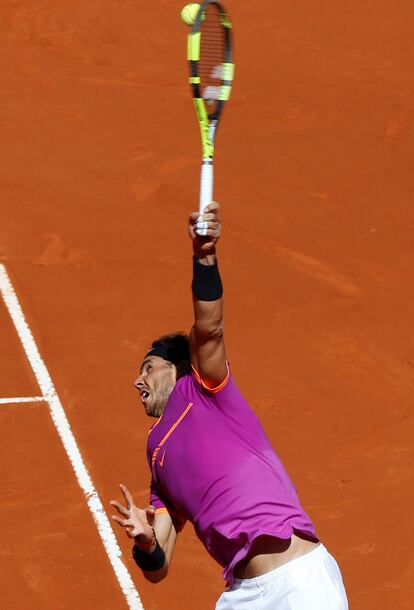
x,y
209,223
136,521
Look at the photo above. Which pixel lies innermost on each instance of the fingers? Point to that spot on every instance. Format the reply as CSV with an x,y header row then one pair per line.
x,y
150,512
212,207
210,210
134,519
208,218
204,229
207,224
206,221
208,230
121,509
123,522
127,495
131,529
201,223
194,216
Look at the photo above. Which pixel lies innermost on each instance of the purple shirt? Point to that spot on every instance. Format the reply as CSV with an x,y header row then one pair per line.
x,y
212,463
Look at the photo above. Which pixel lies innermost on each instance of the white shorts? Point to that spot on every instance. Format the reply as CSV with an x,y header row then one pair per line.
x,y
310,582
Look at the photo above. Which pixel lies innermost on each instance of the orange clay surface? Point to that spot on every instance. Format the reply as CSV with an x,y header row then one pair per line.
x,y
99,169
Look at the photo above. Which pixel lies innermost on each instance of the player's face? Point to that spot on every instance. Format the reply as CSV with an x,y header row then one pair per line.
x,y
155,383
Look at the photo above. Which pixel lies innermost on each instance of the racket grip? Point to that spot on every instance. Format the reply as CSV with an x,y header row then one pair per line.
x,y
206,192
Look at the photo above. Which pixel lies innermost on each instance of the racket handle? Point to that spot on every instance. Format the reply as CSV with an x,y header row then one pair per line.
x,y
206,192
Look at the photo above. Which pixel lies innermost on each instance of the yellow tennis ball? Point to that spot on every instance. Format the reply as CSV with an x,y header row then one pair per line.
x,y
189,13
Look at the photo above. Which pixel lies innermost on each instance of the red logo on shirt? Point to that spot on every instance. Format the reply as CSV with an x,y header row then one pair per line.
x,y
161,461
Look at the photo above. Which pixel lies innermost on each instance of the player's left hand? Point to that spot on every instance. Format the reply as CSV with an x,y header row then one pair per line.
x,y
211,223
136,521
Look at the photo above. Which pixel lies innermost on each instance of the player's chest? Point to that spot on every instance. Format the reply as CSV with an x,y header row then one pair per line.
x,y
169,437
177,439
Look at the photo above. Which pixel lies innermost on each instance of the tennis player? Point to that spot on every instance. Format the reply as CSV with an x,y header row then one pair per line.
x,y
213,465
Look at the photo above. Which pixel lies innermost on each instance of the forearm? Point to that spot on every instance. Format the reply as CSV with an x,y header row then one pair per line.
x,y
166,536
151,559
208,318
168,548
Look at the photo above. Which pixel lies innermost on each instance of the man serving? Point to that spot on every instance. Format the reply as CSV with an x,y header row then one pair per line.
x,y
213,465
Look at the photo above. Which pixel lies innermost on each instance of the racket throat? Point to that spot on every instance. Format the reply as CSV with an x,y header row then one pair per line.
x,y
212,130
208,134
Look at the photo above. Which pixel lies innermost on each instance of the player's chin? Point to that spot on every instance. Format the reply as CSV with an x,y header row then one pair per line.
x,y
149,408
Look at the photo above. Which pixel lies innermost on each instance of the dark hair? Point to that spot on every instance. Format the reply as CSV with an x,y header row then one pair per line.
x,y
178,349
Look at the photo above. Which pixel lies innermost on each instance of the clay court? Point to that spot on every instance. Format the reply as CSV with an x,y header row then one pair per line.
x,y
100,157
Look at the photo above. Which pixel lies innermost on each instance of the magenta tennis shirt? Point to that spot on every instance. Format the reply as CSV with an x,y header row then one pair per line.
x,y
212,464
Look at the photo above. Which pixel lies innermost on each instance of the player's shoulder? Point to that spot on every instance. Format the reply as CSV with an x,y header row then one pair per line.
x,y
226,396
192,387
208,388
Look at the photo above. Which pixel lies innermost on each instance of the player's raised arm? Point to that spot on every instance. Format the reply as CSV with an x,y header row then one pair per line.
x,y
208,353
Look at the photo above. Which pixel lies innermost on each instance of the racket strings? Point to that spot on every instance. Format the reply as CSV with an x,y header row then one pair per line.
x,y
212,56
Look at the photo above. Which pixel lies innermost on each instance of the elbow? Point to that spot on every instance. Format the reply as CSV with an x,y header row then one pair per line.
x,y
210,330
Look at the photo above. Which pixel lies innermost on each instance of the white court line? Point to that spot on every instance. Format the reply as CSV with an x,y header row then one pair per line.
x,y
66,435
7,401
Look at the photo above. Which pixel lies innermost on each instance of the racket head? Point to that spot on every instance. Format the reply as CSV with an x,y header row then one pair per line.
x,y
210,59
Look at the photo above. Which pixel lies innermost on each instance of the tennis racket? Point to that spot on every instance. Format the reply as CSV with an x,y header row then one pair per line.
x,y
210,60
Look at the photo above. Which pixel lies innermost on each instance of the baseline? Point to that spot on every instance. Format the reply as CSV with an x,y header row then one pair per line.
x,y
63,428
